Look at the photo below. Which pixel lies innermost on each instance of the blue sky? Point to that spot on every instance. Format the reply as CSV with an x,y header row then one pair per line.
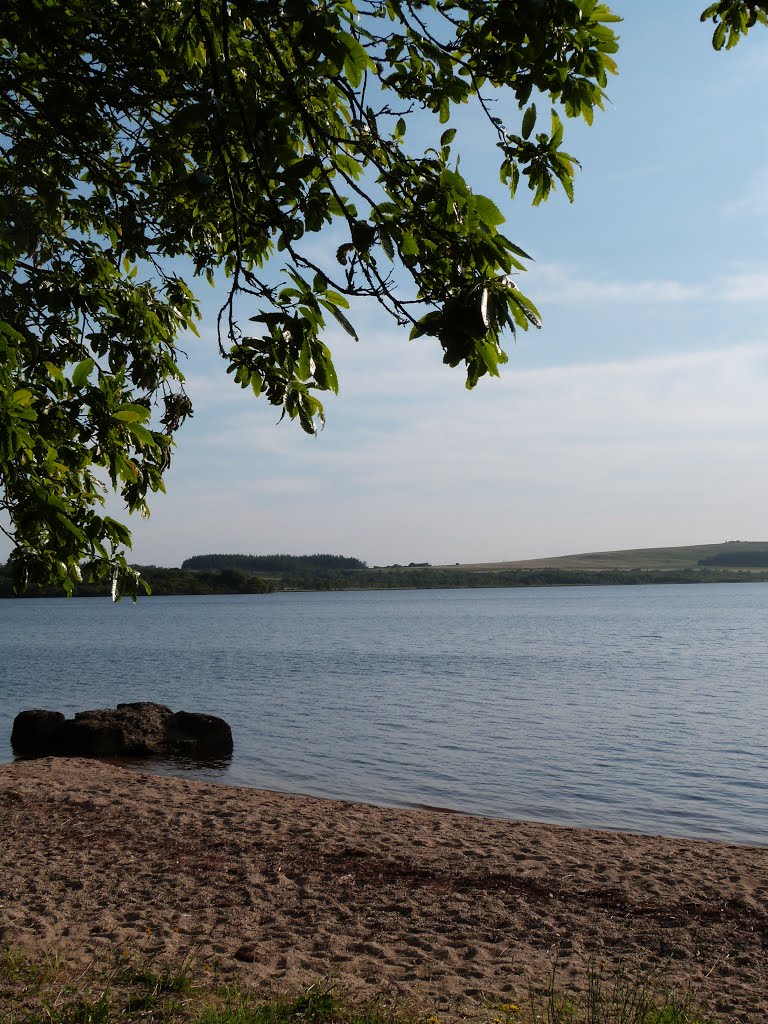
x,y
636,417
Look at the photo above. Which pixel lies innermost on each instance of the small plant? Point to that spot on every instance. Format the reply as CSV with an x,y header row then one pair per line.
x,y
79,1011
141,1001
620,999
18,969
315,1006
170,1011
157,978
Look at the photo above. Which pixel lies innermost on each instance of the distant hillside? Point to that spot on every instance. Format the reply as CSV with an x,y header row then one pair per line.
x,y
738,559
274,563
745,554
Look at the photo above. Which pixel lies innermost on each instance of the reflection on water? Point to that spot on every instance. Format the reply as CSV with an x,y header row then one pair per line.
x,y
213,769
643,708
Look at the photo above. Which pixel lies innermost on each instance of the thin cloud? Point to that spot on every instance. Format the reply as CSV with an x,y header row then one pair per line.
x,y
554,284
747,287
753,202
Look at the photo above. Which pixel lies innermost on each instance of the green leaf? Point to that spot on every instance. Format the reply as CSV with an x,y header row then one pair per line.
x,y
130,413
530,311
488,211
529,120
301,168
55,372
304,357
11,333
70,526
408,246
337,299
339,316
141,434
82,372
22,397
385,241
356,60
557,131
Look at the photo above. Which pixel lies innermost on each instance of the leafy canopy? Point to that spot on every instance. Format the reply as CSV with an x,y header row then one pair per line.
x,y
733,19
146,143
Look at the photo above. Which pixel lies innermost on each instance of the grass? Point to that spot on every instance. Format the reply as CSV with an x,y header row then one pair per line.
x,y
618,999
681,557
156,977
51,992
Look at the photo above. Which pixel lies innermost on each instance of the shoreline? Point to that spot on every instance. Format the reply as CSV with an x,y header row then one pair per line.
x,y
165,769
443,910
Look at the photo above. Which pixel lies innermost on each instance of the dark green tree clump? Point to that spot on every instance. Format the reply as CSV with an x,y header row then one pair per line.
x,y
147,143
161,582
744,559
274,563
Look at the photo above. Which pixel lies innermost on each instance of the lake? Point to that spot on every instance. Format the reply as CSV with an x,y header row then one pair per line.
x,y
641,708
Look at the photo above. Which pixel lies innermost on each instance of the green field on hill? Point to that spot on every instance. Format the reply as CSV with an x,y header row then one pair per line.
x,y
686,557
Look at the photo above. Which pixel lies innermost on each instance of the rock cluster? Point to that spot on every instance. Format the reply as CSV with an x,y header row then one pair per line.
x,y
142,729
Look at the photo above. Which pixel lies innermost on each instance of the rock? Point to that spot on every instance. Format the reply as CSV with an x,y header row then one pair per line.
x,y
36,730
203,735
132,730
142,729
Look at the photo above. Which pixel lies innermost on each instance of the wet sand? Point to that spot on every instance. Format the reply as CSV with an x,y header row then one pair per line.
x,y
443,911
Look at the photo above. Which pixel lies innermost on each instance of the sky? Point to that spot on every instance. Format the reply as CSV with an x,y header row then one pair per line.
x,y
637,416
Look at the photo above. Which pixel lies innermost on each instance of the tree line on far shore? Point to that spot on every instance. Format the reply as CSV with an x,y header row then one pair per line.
x,y
273,563
306,573
161,581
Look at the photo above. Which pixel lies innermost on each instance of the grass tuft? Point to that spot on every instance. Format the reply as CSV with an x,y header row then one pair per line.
x,y
156,977
18,969
79,1011
156,992
618,999
316,1006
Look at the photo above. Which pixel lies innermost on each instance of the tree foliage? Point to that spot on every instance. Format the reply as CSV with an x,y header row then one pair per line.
x,y
274,563
733,19
147,143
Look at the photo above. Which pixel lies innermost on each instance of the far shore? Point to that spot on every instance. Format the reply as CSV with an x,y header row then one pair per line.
x,y
727,562
444,911
181,583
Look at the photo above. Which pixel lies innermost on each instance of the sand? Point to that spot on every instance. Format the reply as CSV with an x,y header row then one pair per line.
x,y
443,911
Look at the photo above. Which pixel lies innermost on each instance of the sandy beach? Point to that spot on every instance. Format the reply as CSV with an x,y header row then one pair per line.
x,y
444,911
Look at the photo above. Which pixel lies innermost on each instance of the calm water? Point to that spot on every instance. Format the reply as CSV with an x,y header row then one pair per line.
x,y
642,708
